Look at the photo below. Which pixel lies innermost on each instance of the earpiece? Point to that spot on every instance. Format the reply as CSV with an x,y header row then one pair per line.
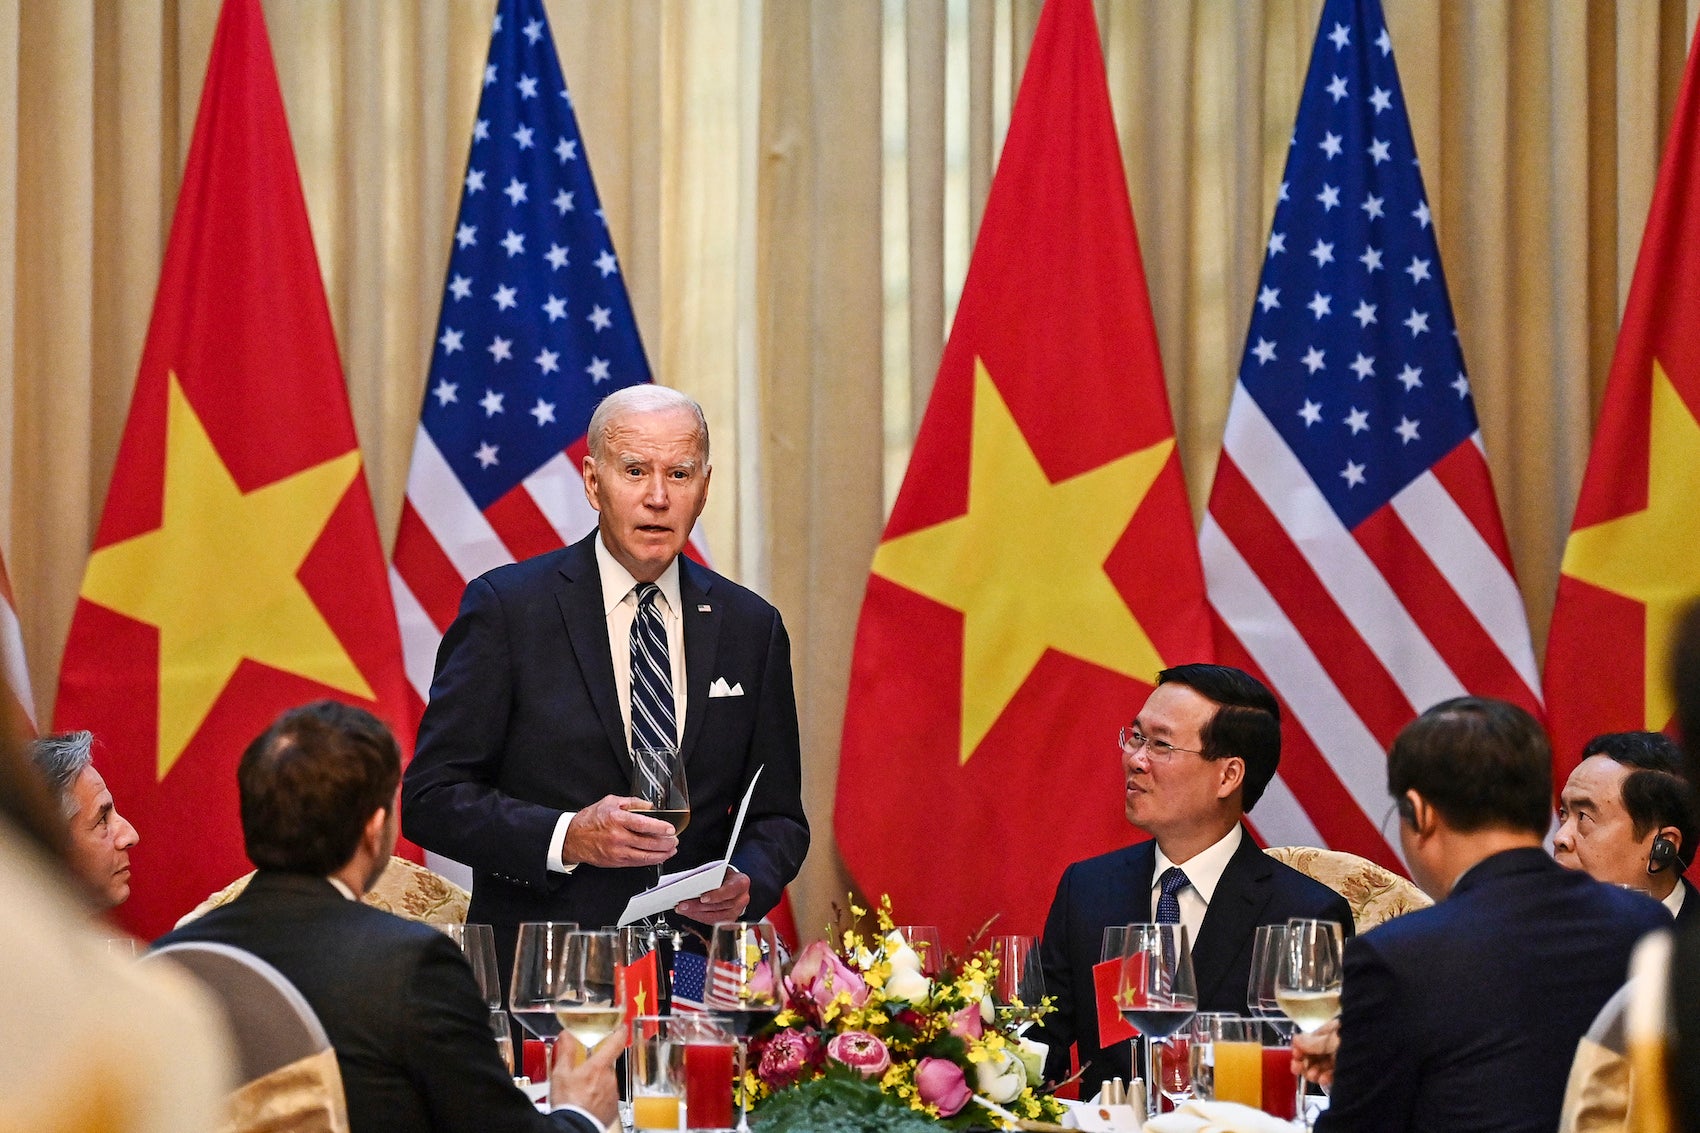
x,y
1660,857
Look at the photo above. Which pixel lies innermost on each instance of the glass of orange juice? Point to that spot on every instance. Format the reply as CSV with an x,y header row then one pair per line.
x,y
1231,1046
676,1082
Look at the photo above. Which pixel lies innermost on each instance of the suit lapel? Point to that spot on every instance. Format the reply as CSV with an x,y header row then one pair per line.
x,y
580,599
1144,870
701,617
1234,910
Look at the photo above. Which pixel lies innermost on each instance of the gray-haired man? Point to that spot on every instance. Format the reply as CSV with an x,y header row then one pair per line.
x,y
99,846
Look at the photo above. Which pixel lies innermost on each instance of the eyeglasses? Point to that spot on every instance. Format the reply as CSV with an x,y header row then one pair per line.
x,y
1157,751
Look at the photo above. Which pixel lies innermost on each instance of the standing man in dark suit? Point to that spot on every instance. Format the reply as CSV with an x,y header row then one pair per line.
x,y
1627,815
559,667
1195,759
1464,1016
410,1029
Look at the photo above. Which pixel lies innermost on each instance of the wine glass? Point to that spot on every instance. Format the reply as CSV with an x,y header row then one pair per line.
x,y
928,945
1019,982
504,1032
587,992
1268,945
1307,987
744,987
665,797
537,977
478,942
1156,992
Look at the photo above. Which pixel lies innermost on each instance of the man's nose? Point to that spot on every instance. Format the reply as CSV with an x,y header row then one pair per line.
x,y
1561,840
655,492
128,835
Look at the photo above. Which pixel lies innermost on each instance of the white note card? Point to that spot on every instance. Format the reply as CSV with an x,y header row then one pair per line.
x,y
682,886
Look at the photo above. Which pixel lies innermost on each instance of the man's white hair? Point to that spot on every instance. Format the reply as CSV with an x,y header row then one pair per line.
x,y
646,398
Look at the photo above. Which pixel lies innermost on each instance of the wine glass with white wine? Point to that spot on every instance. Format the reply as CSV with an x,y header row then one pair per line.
x,y
1307,987
587,995
658,782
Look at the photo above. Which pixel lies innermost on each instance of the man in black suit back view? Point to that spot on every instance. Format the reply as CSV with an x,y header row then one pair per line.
x,y
410,1029
1197,757
1464,1017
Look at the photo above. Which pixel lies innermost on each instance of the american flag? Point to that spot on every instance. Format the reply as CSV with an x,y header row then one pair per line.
x,y
1353,549
535,329
12,651
690,975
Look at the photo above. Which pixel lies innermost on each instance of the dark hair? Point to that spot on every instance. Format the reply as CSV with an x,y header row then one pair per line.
x,y
1652,751
1659,798
1247,723
309,784
1479,762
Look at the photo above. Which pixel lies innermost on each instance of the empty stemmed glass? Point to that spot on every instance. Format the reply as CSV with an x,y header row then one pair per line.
x,y
1156,992
478,942
927,944
1019,982
743,986
537,977
1268,946
1307,987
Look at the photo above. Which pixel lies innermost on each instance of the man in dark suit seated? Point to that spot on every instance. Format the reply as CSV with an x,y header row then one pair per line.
x,y
1627,816
560,667
1195,759
1464,1016
411,1031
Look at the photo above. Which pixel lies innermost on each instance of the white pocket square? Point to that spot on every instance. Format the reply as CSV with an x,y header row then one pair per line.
x,y
720,688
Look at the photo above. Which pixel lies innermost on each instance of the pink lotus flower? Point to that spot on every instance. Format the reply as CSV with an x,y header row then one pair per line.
x,y
861,1052
821,976
941,1083
967,1023
787,1056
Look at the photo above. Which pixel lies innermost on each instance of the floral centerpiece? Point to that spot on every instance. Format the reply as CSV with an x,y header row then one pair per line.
x,y
866,1037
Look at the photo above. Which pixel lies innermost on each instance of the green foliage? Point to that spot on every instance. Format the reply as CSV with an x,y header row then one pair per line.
x,y
842,1101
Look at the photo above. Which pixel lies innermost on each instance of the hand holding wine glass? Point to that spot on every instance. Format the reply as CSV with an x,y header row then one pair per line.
x,y
1307,986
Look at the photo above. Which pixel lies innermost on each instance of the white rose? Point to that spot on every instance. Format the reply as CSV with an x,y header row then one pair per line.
x,y
988,1010
1032,1055
908,985
901,957
1001,1077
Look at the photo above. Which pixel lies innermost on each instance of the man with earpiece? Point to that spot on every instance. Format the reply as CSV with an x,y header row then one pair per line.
x,y
1628,816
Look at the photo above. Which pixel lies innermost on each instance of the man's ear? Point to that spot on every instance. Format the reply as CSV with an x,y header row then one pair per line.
x,y
1418,813
1232,772
372,836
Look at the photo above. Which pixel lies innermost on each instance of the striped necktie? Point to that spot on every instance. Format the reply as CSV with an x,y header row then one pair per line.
x,y
655,732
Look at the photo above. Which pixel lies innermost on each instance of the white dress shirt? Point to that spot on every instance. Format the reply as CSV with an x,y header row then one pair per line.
x,y
620,607
1673,900
1203,871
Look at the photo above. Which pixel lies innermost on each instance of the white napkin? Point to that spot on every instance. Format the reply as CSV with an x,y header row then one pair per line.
x,y
1216,1117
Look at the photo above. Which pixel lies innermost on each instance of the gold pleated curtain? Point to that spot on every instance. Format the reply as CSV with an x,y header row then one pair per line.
x,y
793,187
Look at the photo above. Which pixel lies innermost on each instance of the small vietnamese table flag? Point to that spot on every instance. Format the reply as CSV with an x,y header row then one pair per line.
x,y
1629,566
236,571
1039,566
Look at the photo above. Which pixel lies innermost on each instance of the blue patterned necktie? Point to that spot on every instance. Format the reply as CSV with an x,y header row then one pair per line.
x,y
654,731
1169,903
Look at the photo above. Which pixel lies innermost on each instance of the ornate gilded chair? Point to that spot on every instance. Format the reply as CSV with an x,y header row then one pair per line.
x,y
1374,893
405,889
290,1074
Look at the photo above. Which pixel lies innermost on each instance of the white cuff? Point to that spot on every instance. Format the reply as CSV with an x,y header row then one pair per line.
x,y
556,842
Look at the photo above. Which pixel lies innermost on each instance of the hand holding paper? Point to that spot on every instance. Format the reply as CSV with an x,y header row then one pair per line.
x,y
675,889
726,903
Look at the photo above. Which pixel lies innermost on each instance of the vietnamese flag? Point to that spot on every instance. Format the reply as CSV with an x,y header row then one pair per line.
x,y
236,571
1629,567
1040,565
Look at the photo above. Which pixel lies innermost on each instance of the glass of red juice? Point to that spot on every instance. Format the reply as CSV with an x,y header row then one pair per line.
x,y
1280,1085
708,1082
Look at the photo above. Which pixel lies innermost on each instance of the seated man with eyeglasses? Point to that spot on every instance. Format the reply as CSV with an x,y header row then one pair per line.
x,y
1194,761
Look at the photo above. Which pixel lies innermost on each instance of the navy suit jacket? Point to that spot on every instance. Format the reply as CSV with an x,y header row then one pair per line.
x,y
1115,889
411,1032
524,723
1465,1016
